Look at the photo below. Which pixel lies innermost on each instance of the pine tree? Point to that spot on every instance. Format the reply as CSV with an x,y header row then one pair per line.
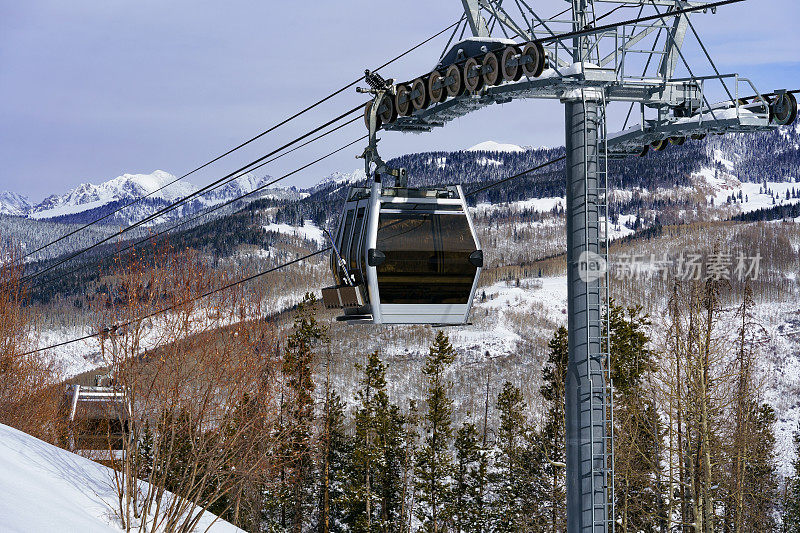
x,y
552,435
514,508
391,441
638,431
374,479
336,449
791,511
631,360
235,505
434,462
760,474
467,504
144,452
298,407
410,442
519,480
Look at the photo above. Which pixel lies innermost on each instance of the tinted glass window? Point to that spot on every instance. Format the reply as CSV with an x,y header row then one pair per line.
x,y
427,258
344,238
355,245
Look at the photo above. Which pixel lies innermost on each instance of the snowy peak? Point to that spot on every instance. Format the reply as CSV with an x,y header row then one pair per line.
x,y
135,185
160,188
14,204
492,146
342,178
125,187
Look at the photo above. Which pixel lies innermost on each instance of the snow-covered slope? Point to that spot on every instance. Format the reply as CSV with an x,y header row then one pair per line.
x,y
14,204
45,488
307,231
723,189
492,146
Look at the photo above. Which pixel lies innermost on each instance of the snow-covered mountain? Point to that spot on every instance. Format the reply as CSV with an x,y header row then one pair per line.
x,y
341,178
89,201
14,204
493,146
126,187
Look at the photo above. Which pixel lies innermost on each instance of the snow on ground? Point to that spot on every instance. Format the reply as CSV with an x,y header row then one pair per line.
x,y
547,297
486,161
13,204
551,292
497,334
307,231
264,254
74,358
440,162
492,146
622,228
84,355
542,205
547,205
69,209
721,185
780,374
727,163
45,488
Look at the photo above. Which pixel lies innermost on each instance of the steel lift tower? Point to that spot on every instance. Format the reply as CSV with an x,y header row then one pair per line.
x,y
629,53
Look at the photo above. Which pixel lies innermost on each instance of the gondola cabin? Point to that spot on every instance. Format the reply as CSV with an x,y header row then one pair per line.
x,y
97,418
404,256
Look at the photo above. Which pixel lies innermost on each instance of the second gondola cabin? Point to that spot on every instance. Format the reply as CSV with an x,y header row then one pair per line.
x,y
405,256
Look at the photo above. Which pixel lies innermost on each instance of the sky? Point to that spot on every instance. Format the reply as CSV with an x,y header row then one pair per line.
x,y
90,90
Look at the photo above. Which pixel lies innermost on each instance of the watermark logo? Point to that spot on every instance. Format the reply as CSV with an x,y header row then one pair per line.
x,y
688,266
591,266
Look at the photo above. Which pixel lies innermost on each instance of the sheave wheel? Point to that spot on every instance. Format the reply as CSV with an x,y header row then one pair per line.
x,y
491,69
367,109
387,111
784,109
473,81
534,67
456,88
440,94
422,99
510,72
403,100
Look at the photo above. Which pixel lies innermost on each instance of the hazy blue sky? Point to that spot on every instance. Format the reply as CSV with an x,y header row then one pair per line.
x,y
93,89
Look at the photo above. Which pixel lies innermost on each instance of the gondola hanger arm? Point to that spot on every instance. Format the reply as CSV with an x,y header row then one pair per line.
x,y
380,88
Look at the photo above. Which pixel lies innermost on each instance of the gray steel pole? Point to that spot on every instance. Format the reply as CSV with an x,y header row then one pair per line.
x,y
585,406
585,420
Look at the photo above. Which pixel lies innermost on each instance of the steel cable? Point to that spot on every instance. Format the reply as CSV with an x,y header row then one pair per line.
x,y
262,273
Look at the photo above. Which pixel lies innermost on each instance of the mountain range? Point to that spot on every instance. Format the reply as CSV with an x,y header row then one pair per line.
x,y
87,201
156,190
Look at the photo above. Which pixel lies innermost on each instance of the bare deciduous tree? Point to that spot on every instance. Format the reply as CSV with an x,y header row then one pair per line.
x,y
200,383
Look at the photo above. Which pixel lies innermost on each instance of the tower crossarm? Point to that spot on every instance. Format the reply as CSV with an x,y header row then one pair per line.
x,y
734,119
558,84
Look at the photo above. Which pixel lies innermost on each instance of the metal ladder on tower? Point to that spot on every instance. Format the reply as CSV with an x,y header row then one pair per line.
x,y
601,404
